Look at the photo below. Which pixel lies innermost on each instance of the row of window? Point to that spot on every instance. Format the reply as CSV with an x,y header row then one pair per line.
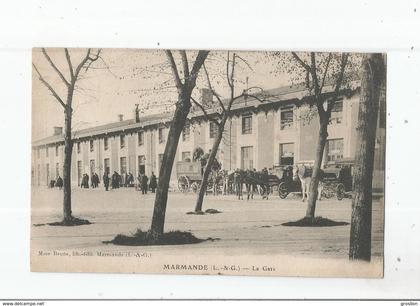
x,y
38,152
286,122
140,141
334,150
107,166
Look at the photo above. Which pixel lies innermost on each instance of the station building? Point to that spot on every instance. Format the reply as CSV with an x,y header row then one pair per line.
x,y
279,131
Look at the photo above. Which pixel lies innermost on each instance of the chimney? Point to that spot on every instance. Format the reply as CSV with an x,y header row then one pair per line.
x,y
206,97
58,130
120,117
137,113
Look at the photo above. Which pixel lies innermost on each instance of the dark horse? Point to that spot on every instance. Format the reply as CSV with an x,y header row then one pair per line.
x,y
251,179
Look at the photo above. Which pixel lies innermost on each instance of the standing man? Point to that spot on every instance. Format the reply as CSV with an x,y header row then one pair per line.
x,y
114,180
153,182
265,183
144,184
59,182
106,180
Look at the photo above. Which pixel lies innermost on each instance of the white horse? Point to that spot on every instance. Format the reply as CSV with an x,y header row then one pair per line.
x,y
304,173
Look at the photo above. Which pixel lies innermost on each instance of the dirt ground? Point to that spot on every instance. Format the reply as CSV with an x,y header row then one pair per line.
x,y
243,227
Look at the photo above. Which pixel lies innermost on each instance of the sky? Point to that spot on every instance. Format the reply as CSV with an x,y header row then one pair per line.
x,y
122,78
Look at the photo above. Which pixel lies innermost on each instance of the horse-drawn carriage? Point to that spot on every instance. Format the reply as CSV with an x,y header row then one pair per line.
x,y
190,176
338,178
287,183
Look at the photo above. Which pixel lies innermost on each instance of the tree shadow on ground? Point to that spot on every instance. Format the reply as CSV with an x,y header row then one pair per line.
x,y
209,211
169,238
72,222
315,222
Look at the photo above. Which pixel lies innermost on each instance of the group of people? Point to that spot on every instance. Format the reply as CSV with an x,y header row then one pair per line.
x,y
144,183
127,180
58,182
94,181
117,180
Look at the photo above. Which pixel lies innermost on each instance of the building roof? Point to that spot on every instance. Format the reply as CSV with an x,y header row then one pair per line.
x,y
271,97
107,128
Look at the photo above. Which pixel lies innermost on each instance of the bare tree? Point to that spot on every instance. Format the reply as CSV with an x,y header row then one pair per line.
x,y
325,76
373,79
184,88
220,117
66,103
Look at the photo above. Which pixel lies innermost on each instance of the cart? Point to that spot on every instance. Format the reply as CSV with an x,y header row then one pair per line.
x,y
190,176
338,179
286,183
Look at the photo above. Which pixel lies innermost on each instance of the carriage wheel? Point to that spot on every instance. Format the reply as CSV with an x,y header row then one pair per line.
x,y
183,183
283,192
341,191
195,187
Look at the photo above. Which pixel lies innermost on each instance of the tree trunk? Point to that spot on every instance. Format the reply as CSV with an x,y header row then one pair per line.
x,y
313,186
68,150
178,122
372,75
207,170
67,169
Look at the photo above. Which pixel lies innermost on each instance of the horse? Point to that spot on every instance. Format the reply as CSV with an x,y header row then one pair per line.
x,y
251,179
304,174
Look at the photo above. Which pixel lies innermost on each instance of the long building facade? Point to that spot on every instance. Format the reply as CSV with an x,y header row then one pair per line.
x,y
281,131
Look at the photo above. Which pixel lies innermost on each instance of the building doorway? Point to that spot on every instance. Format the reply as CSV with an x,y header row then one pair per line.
x,y
286,151
142,164
92,167
107,168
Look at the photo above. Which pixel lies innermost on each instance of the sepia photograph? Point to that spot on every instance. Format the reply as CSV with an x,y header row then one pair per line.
x,y
216,162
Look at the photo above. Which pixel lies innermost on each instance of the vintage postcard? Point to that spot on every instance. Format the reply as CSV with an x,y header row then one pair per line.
x,y
208,162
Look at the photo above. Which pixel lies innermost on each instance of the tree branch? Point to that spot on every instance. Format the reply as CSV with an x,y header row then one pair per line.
x,y
344,59
82,63
325,71
174,68
314,75
199,61
211,88
301,62
185,64
206,115
227,69
69,63
49,88
55,67
230,78
93,59
245,62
